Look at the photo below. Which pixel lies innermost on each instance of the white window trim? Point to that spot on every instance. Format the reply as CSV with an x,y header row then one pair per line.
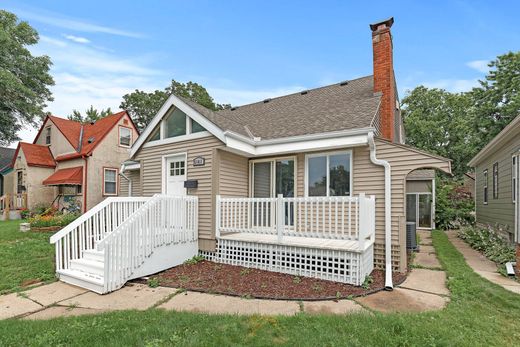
x,y
273,173
495,180
164,167
328,154
166,140
105,169
514,178
485,191
131,136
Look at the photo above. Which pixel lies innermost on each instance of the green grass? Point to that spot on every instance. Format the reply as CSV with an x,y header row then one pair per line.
x,y
24,257
480,313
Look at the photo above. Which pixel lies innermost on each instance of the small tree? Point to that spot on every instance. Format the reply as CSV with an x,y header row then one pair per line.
x,y
91,115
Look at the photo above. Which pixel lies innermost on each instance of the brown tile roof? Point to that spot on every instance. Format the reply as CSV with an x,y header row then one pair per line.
x,y
341,106
35,155
69,128
73,175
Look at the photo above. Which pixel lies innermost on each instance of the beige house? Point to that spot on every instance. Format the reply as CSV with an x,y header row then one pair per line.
x,y
70,162
336,140
312,184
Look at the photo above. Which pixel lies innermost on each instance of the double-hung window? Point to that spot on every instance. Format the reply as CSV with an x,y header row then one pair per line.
x,y
485,174
329,174
495,181
48,135
125,136
109,181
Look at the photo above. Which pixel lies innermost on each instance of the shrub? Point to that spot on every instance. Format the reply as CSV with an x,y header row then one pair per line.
x,y
454,206
25,213
61,220
488,242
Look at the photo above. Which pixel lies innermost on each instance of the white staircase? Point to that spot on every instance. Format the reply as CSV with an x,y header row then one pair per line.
x,y
126,238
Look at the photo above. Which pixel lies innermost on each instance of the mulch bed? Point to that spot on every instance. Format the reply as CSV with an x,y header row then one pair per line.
x,y
210,277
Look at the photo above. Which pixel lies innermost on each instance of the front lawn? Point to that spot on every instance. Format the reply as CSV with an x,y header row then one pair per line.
x,y
25,258
480,313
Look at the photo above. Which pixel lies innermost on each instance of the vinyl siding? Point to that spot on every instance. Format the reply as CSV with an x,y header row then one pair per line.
x,y
151,173
500,211
135,177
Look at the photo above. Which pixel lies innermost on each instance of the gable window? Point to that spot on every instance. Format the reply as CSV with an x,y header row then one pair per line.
x,y
495,181
485,187
196,127
48,135
175,124
514,172
125,136
156,134
329,174
109,181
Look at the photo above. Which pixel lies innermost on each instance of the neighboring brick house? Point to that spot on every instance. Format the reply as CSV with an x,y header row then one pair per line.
x,y
70,161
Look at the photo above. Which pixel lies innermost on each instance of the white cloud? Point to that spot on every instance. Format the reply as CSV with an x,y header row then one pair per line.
x,y
60,21
479,65
77,39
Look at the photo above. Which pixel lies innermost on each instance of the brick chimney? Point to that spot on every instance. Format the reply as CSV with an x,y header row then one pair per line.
x,y
384,74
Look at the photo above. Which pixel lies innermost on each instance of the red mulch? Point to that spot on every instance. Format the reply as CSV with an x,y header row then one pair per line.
x,y
210,277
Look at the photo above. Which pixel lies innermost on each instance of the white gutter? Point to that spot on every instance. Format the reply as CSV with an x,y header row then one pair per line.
x,y
388,210
121,170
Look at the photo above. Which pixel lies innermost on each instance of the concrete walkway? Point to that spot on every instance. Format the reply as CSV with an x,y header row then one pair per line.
x,y
423,290
482,265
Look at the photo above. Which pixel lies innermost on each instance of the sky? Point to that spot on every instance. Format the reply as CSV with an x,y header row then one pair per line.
x,y
245,51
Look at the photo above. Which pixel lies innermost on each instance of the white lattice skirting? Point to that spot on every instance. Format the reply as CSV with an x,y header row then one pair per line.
x,y
327,264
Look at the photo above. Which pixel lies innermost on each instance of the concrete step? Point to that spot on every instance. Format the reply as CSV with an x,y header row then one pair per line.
x,y
88,266
92,254
82,279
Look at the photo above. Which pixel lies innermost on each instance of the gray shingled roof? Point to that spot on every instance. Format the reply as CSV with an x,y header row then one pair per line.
x,y
6,156
331,108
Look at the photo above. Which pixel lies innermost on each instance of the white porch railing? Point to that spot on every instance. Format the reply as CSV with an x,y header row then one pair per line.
x,y
163,220
92,226
343,218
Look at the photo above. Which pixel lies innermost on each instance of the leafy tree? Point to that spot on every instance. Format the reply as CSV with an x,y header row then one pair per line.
x,y
143,106
439,122
497,100
24,78
91,115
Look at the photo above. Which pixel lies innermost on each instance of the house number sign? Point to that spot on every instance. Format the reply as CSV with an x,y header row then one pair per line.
x,y
199,161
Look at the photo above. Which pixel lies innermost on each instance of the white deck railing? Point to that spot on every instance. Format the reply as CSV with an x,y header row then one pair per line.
x,y
344,218
92,226
163,220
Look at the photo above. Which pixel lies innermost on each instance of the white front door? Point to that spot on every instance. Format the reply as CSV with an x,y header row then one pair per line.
x,y
175,175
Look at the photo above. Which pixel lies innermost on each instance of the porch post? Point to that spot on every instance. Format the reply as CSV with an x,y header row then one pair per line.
x,y
217,217
363,219
280,217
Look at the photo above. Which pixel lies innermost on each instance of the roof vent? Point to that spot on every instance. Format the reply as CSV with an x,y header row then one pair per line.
x,y
92,122
91,139
267,100
233,108
303,92
344,83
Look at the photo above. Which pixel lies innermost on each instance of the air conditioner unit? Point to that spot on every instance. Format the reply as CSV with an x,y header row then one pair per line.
x,y
411,237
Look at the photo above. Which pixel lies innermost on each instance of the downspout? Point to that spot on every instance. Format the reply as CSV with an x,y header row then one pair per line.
x,y
388,210
121,173
85,177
